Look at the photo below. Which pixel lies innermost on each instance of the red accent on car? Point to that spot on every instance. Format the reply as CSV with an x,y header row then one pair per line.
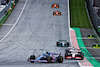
x,y
68,57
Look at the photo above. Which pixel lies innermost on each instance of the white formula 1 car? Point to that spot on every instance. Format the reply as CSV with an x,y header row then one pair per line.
x,y
74,53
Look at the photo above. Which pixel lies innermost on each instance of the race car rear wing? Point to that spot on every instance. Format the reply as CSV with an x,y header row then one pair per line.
x,y
55,53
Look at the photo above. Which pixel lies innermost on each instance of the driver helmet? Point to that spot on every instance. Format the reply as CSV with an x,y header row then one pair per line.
x,y
47,52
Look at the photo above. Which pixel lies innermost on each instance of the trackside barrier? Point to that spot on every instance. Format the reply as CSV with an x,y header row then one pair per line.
x,y
93,15
89,8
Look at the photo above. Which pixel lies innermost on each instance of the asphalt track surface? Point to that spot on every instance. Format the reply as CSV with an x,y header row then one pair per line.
x,y
36,32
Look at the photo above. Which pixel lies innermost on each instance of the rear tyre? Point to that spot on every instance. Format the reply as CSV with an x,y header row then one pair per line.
x,y
81,55
67,51
61,45
66,54
60,59
32,57
58,6
57,44
68,43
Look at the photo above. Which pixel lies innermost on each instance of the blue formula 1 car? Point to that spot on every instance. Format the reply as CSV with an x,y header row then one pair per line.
x,y
48,57
62,43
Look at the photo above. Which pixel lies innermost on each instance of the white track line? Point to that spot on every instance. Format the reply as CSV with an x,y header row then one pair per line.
x,y
83,66
15,22
93,57
69,28
7,24
69,21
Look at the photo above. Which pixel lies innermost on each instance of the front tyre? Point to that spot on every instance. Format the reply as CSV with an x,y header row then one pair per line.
x,y
81,55
60,59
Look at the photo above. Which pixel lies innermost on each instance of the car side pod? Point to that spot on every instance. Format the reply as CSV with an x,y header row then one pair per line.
x,y
57,13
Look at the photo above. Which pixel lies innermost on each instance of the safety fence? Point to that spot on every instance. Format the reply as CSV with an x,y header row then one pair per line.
x,y
94,19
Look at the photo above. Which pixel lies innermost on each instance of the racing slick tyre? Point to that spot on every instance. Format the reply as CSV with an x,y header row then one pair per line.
x,y
60,59
57,44
61,45
81,55
66,45
66,55
32,57
67,51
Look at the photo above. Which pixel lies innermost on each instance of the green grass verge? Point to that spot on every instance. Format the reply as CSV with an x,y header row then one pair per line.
x,y
4,18
79,17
